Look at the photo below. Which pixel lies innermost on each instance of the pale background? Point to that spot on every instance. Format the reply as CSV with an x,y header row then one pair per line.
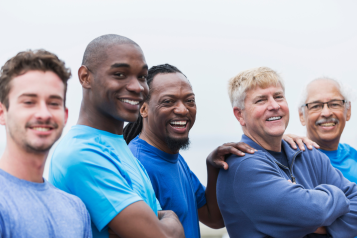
x,y
210,41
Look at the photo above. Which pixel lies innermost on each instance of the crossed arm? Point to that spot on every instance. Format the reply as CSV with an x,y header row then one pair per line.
x,y
138,220
210,214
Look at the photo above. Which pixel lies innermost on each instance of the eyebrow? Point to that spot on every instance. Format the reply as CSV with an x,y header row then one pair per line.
x,y
264,96
35,96
318,101
120,65
174,96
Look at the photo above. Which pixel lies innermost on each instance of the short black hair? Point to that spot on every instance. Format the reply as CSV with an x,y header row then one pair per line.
x,y
96,49
132,129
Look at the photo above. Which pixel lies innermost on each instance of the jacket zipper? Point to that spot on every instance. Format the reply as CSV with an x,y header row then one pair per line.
x,y
293,180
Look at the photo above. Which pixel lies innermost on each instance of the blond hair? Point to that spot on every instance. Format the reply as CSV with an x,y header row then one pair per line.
x,y
262,77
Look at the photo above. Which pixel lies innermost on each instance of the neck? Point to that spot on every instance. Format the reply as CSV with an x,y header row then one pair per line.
x,y
23,164
89,115
326,145
150,137
272,143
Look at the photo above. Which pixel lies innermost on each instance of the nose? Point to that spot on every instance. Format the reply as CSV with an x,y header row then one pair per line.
x,y
134,86
42,113
273,105
181,109
326,112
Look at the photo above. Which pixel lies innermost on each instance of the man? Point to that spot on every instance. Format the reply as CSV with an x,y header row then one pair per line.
x,y
166,118
279,191
32,108
93,161
324,109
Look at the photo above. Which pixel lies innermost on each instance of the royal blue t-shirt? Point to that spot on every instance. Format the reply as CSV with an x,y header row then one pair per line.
x,y
98,167
345,160
176,187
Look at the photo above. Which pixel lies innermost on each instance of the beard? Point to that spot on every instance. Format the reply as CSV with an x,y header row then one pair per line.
x,y
177,144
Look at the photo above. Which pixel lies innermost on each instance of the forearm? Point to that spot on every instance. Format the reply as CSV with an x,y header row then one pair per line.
x,y
210,214
170,223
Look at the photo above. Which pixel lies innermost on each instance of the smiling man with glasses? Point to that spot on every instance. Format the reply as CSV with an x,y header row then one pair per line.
x,y
325,108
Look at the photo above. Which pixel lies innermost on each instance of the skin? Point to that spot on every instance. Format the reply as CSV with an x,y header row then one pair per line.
x,y
36,99
261,104
328,137
121,76
172,99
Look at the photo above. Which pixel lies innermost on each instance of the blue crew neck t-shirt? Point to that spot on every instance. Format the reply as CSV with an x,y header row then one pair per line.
x,y
176,187
345,160
98,167
29,209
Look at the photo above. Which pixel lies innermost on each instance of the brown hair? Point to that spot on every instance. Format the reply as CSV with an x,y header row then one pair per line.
x,y
30,60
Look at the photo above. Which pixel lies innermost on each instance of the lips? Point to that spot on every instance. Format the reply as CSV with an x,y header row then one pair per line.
x,y
274,118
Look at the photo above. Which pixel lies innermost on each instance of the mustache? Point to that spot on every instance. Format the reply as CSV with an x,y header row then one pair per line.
x,y
324,120
42,123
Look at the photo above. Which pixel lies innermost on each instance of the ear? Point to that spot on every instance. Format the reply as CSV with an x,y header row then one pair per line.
x,y
348,116
2,114
84,77
302,117
238,113
144,110
65,115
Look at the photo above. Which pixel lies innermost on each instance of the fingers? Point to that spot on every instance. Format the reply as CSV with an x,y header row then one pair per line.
x,y
300,144
309,143
290,141
241,146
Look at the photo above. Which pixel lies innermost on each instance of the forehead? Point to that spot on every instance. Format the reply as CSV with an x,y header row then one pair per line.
x,y
130,54
37,82
258,91
323,90
170,84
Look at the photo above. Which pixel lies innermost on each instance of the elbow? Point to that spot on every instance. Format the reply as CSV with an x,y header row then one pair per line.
x,y
217,224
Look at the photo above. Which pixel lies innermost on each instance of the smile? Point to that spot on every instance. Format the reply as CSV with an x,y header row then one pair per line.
x,y
327,124
273,118
41,128
131,102
178,124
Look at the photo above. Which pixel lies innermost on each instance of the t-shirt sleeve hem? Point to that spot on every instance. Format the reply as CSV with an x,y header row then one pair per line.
x,y
104,222
202,202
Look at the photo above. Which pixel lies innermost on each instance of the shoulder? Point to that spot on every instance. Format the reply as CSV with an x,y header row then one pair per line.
x,y
315,155
234,160
347,148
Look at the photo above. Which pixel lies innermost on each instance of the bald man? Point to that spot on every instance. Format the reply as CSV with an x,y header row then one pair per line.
x,y
324,109
93,161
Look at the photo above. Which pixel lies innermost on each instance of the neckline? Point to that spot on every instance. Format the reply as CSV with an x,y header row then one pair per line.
x,y
23,182
172,158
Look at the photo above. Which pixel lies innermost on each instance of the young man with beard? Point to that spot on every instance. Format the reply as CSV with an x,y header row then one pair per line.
x,y
279,191
32,94
93,161
324,109
166,118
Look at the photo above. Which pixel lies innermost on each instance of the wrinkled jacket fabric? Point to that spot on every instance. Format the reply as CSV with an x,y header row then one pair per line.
x,y
257,200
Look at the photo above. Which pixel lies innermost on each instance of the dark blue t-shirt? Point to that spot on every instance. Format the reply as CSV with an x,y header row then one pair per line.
x,y
176,187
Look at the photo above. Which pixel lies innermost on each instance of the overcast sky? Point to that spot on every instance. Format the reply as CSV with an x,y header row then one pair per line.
x,y
210,41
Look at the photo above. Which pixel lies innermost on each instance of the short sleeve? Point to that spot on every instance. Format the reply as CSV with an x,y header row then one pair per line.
x,y
199,189
100,184
158,205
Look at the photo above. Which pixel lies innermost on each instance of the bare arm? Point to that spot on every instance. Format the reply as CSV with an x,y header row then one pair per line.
x,y
138,220
210,214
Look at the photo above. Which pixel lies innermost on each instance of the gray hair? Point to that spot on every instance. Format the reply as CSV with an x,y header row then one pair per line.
x,y
248,79
345,90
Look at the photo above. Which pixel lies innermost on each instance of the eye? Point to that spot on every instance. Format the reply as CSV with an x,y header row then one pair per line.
x,y
121,75
28,102
143,77
260,100
191,100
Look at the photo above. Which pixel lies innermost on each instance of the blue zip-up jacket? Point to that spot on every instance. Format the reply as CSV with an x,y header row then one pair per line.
x,y
257,200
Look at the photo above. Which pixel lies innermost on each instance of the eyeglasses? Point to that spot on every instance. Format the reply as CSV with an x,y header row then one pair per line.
x,y
318,106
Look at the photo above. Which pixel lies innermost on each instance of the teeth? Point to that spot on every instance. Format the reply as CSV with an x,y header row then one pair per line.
x,y
41,128
273,118
328,124
178,123
130,101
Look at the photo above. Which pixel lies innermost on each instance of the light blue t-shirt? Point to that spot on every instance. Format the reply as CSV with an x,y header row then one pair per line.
x,y
98,167
345,160
29,209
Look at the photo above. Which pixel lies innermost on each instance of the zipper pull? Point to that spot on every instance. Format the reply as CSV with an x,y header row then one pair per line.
x,y
293,179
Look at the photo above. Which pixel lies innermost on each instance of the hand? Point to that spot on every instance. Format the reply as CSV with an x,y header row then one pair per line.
x,y
300,141
321,230
217,157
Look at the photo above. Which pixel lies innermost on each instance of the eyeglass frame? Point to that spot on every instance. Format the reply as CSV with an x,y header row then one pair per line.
x,y
323,103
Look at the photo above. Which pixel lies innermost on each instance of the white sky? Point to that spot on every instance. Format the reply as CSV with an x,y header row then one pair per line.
x,y
210,41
